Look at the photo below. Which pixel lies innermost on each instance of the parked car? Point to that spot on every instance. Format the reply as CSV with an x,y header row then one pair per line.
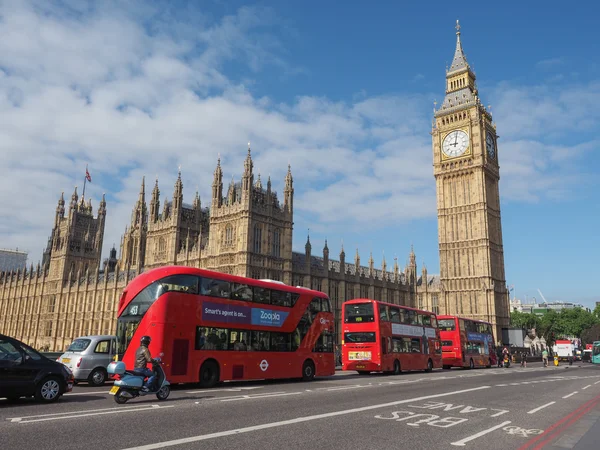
x,y
26,373
88,356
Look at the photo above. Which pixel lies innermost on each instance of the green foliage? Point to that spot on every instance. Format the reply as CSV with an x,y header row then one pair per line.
x,y
591,334
554,325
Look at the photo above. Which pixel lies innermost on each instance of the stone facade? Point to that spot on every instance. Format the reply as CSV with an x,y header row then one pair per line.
x,y
247,231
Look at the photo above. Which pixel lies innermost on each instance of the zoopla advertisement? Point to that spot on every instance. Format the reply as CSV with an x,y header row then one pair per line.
x,y
217,312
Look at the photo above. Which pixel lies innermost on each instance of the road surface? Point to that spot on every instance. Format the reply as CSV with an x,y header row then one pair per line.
x,y
514,408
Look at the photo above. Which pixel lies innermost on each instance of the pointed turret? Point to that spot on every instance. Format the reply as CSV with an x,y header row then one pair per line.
x,y
248,176
74,198
424,275
155,202
383,264
325,251
307,246
217,186
288,191
269,184
258,183
196,204
459,62
102,207
371,265
461,89
178,193
357,261
60,209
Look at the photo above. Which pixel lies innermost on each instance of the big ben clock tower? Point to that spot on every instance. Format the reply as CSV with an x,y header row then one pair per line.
x,y
465,162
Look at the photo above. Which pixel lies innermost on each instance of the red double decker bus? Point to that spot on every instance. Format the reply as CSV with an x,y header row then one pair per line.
x,y
215,327
466,342
383,337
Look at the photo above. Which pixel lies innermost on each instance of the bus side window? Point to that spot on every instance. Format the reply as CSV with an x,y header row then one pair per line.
x,y
180,283
384,313
427,320
215,288
395,314
325,305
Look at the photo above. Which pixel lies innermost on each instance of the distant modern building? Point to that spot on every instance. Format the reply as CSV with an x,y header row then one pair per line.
x,y
541,308
12,259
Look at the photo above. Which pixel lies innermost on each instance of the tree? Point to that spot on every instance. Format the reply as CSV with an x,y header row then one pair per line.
x,y
523,320
591,334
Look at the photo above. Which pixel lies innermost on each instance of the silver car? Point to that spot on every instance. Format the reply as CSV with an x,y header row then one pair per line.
x,y
88,356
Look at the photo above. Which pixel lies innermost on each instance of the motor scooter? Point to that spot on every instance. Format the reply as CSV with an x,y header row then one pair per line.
x,y
506,360
130,384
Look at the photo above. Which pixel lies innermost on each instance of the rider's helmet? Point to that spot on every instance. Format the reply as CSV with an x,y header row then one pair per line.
x,y
145,340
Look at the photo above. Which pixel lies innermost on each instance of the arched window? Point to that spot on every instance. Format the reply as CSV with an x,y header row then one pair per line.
x,y
229,235
277,244
257,239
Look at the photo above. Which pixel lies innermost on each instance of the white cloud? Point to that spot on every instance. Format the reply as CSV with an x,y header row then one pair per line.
x,y
139,91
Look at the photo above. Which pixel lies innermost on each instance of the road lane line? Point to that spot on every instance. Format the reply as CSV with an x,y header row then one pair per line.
x,y
82,411
540,407
569,395
86,393
45,419
597,382
237,431
248,397
589,385
462,442
208,391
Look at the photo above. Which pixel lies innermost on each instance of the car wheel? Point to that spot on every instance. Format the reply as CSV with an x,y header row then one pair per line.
x,y
308,371
48,390
97,377
209,374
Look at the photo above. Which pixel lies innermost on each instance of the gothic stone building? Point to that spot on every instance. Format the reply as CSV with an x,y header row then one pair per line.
x,y
247,231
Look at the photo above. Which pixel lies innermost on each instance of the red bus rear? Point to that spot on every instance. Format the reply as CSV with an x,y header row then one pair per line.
x,y
215,327
466,342
383,337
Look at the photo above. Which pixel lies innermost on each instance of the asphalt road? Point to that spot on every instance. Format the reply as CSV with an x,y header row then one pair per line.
x,y
515,408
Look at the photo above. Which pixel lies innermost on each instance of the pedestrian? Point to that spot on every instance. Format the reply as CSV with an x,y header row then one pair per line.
x,y
499,355
524,358
545,357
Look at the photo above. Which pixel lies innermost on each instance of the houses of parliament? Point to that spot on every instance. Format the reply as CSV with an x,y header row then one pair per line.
x,y
247,231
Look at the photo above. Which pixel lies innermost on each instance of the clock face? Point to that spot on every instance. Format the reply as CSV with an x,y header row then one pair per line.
x,y
455,143
490,144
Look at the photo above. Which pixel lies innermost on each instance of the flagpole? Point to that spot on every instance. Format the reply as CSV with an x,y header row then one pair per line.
x,y
84,181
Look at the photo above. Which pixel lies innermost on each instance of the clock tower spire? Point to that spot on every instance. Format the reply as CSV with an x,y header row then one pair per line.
x,y
467,174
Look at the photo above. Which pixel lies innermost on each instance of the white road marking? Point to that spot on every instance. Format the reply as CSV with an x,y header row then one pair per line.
x,y
534,410
237,431
87,393
502,385
208,391
589,385
251,397
597,382
569,395
77,414
462,442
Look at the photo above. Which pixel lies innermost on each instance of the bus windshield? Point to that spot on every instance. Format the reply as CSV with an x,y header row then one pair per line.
x,y
447,324
596,349
358,312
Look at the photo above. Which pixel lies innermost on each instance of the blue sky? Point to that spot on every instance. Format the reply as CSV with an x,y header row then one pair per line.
x,y
341,90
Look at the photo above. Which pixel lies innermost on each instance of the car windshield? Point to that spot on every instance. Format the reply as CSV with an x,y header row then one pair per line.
x,y
79,345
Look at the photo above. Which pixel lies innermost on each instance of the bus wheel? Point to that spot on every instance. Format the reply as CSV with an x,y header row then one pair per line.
x,y
397,369
429,366
308,370
209,374
471,364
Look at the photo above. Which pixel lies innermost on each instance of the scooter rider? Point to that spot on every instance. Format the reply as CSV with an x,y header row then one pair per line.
x,y
142,358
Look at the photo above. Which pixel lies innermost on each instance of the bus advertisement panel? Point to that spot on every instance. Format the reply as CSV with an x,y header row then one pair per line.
x,y
466,342
383,337
215,327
